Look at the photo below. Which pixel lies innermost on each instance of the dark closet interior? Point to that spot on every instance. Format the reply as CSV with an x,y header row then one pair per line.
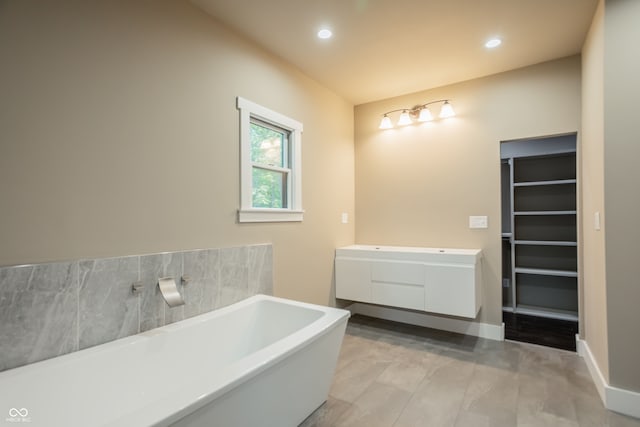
x,y
539,241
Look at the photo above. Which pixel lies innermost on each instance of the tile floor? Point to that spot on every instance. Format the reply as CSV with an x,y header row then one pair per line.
x,y
390,374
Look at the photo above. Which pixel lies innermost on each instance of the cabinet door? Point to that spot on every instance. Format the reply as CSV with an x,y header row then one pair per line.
x,y
451,289
398,284
353,279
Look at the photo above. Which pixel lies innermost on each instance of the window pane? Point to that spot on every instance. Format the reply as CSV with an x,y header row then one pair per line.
x,y
268,146
269,188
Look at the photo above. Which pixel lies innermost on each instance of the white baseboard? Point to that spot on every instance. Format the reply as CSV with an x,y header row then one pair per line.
x,y
626,402
466,327
594,370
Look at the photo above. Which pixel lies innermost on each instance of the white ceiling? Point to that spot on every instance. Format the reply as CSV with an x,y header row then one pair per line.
x,y
385,48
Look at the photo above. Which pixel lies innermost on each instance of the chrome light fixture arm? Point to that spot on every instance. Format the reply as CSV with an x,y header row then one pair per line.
x,y
420,112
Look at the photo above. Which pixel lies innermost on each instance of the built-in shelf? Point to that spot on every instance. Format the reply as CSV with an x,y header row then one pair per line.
x,y
546,312
544,243
546,213
542,312
546,272
539,229
552,182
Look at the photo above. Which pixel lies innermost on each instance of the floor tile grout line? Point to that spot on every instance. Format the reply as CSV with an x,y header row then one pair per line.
x,y
464,395
404,407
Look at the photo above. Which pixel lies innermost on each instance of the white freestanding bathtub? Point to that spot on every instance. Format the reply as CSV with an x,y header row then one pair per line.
x,y
264,361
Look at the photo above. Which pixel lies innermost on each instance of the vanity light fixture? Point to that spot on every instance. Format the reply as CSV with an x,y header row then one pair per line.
x,y
420,112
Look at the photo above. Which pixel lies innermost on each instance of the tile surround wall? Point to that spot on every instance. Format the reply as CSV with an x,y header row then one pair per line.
x,y
47,310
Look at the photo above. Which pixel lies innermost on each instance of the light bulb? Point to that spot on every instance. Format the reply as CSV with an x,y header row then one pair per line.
x,y
425,115
495,42
385,123
447,110
404,119
325,33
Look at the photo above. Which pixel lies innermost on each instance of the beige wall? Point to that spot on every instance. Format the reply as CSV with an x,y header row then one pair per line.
x,y
609,153
594,308
417,185
622,198
119,135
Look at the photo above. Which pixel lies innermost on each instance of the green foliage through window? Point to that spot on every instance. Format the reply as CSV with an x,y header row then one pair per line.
x,y
269,188
269,156
268,146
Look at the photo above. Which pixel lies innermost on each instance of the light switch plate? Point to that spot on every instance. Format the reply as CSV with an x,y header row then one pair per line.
x,y
345,218
596,220
478,222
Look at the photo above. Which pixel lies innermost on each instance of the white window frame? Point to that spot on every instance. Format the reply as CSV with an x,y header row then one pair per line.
x,y
293,211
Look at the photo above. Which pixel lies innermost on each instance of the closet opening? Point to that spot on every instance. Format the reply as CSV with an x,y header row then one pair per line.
x,y
539,240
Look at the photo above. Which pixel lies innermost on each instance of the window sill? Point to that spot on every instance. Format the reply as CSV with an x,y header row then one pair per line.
x,y
269,215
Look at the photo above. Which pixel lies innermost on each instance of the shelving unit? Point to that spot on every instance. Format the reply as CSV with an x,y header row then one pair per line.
x,y
539,227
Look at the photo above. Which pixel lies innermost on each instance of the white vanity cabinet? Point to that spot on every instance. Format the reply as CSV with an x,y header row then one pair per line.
x,y
441,281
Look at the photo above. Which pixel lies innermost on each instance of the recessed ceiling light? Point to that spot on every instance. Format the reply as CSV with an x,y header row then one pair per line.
x,y
495,42
325,33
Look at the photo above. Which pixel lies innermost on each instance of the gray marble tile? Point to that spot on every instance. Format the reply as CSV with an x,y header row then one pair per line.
x,y
403,375
15,278
544,401
173,314
558,400
152,305
492,396
352,347
538,360
234,276
438,399
38,312
108,310
590,410
473,419
498,355
353,379
378,406
544,383
260,269
203,269
51,277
